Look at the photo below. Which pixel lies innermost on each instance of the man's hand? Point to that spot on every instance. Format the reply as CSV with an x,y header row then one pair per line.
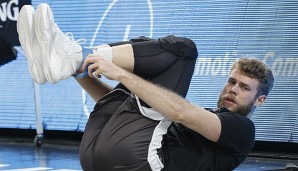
x,y
98,65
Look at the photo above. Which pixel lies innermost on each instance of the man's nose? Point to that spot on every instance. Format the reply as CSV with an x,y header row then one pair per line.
x,y
234,89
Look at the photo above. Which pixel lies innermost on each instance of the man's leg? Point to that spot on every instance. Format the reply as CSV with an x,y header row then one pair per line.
x,y
123,143
130,141
145,58
98,119
61,54
168,61
177,65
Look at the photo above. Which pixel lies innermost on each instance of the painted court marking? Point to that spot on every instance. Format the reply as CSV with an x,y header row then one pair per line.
x,y
33,168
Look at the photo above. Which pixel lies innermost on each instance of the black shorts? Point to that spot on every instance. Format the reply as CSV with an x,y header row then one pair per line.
x,y
125,134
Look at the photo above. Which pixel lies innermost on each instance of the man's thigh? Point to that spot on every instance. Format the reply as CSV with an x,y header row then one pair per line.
x,y
124,141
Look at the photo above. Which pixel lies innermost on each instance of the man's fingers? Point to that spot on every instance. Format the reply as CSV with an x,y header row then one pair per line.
x,y
98,73
94,63
89,60
91,68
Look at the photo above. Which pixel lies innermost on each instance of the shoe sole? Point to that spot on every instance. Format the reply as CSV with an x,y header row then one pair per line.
x,y
25,25
43,16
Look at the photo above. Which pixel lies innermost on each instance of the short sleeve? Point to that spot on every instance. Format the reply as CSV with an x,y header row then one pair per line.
x,y
237,134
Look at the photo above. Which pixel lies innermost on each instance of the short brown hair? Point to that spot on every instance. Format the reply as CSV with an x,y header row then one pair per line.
x,y
255,68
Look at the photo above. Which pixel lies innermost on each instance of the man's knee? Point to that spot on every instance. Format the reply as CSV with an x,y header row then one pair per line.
x,y
180,46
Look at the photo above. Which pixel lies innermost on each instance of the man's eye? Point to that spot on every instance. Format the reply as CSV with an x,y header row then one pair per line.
x,y
245,88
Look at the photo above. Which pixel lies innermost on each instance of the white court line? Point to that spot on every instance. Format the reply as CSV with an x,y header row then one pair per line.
x,y
65,170
126,33
34,169
30,169
4,165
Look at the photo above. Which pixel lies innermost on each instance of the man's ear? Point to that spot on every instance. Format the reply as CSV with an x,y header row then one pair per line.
x,y
260,100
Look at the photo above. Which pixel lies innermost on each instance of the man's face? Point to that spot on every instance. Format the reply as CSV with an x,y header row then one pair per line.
x,y
239,93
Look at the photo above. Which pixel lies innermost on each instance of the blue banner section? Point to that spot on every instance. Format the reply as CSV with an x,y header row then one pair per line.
x,y
222,30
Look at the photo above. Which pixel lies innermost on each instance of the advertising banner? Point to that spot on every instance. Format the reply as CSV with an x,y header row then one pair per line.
x,y
9,10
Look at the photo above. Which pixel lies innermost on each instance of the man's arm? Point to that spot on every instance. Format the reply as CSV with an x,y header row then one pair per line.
x,y
163,101
94,87
122,57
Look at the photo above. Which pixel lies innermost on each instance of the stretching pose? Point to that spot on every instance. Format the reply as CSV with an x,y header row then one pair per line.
x,y
144,123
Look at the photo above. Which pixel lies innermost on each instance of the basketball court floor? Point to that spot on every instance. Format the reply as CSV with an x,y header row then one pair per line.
x,y
25,156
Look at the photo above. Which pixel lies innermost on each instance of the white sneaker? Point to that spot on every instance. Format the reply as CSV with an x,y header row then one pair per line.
x,y
62,56
27,37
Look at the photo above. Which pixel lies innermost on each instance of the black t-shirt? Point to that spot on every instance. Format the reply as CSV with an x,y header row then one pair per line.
x,y
187,150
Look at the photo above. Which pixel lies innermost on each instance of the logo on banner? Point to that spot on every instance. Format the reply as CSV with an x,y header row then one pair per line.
x,y
124,22
9,11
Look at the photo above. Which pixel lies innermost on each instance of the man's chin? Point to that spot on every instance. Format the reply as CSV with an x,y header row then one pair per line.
x,y
235,109
230,106
231,109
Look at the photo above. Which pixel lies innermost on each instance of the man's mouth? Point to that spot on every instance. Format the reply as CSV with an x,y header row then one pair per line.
x,y
229,100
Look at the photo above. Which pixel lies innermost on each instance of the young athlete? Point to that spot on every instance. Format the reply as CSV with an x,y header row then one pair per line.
x,y
144,123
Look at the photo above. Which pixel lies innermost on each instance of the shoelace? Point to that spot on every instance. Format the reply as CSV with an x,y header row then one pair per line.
x,y
71,37
70,42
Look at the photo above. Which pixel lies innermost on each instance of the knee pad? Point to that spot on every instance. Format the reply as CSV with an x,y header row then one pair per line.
x,y
180,46
140,39
131,41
